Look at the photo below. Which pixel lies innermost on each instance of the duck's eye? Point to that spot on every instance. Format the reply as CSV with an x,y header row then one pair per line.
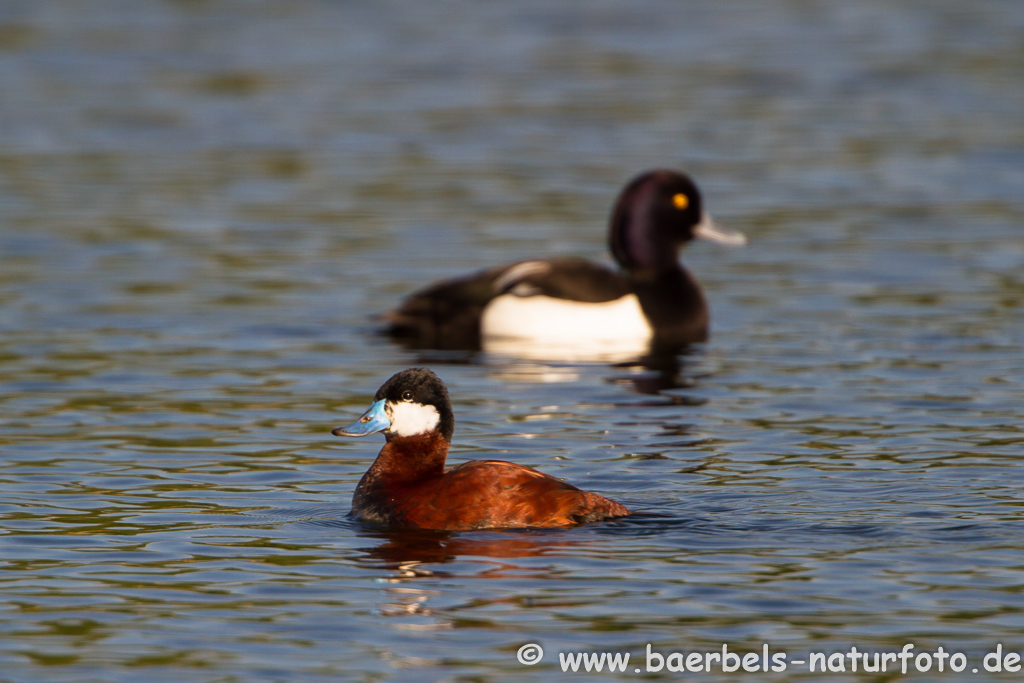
x,y
406,395
680,201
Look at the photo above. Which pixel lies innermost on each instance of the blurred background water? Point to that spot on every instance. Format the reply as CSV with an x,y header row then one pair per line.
x,y
203,202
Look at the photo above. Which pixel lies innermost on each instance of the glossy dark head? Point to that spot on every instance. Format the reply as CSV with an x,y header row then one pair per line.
x,y
655,214
410,403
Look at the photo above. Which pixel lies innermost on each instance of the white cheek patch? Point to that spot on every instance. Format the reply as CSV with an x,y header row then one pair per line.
x,y
410,419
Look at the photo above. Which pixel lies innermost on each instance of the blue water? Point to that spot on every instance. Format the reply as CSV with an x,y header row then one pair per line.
x,y
203,204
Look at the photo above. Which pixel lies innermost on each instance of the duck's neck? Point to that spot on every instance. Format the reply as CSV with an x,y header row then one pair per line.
x,y
407,459
673,302
641,247
402,463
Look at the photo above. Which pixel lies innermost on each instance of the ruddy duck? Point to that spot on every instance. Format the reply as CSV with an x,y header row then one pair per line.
x,y
407,486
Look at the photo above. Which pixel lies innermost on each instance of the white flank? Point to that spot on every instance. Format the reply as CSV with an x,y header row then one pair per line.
x,y
410,419
545,327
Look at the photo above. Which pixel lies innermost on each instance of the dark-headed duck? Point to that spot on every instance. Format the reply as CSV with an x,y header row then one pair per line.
x,y
407,486
653,300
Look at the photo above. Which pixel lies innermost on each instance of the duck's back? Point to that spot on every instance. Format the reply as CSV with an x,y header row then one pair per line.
x,y
490,493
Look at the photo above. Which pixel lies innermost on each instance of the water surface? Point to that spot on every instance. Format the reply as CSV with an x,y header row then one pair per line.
x,y
202,204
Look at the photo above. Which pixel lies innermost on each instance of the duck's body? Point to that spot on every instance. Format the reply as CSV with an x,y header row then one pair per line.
x,y
459,313
653,300
407,486
479,494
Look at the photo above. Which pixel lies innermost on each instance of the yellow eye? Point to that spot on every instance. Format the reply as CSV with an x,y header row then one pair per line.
x,y
681,201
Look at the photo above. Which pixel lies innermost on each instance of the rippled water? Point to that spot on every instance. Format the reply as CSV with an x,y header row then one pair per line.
x,y
202,204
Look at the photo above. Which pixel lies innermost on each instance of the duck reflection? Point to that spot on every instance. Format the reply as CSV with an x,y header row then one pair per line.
x,y
416,553
651,373
659,371
414,556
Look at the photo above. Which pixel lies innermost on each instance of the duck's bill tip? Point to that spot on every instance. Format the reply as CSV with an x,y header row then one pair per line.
x,y
373,420
709,230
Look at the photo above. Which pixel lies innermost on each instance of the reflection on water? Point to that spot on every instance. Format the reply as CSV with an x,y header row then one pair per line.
x,y
648,373
582,350
531,372
405,550
203,206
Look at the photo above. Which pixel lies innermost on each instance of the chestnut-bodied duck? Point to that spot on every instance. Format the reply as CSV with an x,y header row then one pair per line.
x,y
408,487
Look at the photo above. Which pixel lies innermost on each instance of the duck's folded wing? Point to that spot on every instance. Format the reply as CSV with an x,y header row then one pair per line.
x,y
571,279
495,494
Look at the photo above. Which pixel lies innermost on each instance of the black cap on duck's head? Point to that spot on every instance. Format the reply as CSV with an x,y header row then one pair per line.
x,y
655,214
410,403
